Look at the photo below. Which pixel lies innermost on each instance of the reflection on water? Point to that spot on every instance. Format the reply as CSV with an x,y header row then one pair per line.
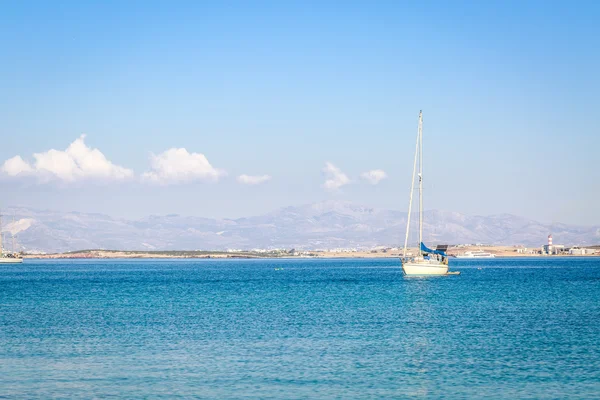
x,y
299,328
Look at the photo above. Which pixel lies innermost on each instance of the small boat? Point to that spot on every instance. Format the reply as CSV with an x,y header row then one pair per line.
x,y
427,262
476,254
11,257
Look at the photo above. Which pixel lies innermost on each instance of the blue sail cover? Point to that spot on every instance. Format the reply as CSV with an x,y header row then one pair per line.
x,y
425,249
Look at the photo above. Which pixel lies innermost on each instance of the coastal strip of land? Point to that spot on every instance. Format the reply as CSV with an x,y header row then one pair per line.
x,y
497,251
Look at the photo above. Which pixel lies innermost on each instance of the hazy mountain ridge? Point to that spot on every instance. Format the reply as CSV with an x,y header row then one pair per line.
x,y
328,224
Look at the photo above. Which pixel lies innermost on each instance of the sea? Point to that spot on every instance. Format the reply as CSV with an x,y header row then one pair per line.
x,y
504,328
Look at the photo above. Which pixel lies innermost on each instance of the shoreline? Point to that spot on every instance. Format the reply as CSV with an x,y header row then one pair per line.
x,y
116,254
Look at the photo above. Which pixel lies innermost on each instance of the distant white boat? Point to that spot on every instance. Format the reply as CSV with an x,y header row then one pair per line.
x,y
427,262
8,257
476,254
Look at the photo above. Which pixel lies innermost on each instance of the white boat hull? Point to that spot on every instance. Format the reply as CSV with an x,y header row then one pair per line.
x,y
423,269
9,260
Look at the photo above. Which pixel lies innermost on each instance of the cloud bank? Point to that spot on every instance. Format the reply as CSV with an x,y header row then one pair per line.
x,y
253,179
335,178
374,176
78,162
179,166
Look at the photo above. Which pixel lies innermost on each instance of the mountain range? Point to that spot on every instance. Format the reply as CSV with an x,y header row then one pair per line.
x,y
324,225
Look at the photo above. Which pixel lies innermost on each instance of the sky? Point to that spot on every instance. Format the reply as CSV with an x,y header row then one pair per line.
x,y
229,109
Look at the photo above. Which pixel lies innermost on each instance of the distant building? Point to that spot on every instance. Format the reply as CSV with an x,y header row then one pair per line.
x,y
552,249
581,251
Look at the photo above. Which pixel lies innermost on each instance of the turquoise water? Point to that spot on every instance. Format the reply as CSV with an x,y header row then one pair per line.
x,y
516,328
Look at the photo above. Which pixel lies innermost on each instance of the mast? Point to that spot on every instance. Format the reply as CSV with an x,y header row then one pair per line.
x,y
412,189
420,179
1,248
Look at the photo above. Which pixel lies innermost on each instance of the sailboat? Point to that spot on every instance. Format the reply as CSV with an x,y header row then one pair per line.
x,y
427,262
8,257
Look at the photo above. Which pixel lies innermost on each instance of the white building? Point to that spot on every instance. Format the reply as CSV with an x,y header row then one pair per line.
x,y
580,251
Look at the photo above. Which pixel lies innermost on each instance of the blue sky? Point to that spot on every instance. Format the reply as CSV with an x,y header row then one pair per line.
x,y
509,91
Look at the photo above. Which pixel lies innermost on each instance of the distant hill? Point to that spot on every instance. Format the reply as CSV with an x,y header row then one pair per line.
x,y
329,224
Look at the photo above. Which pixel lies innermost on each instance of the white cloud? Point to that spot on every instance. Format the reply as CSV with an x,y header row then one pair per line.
x,y
16,166
253,179
335,178
179,166
374,176
77,162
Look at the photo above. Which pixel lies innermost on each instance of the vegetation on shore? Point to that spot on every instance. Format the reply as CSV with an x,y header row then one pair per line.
x,y
101,253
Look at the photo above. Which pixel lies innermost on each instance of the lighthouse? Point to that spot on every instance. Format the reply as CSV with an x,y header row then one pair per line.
x,y
550,244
